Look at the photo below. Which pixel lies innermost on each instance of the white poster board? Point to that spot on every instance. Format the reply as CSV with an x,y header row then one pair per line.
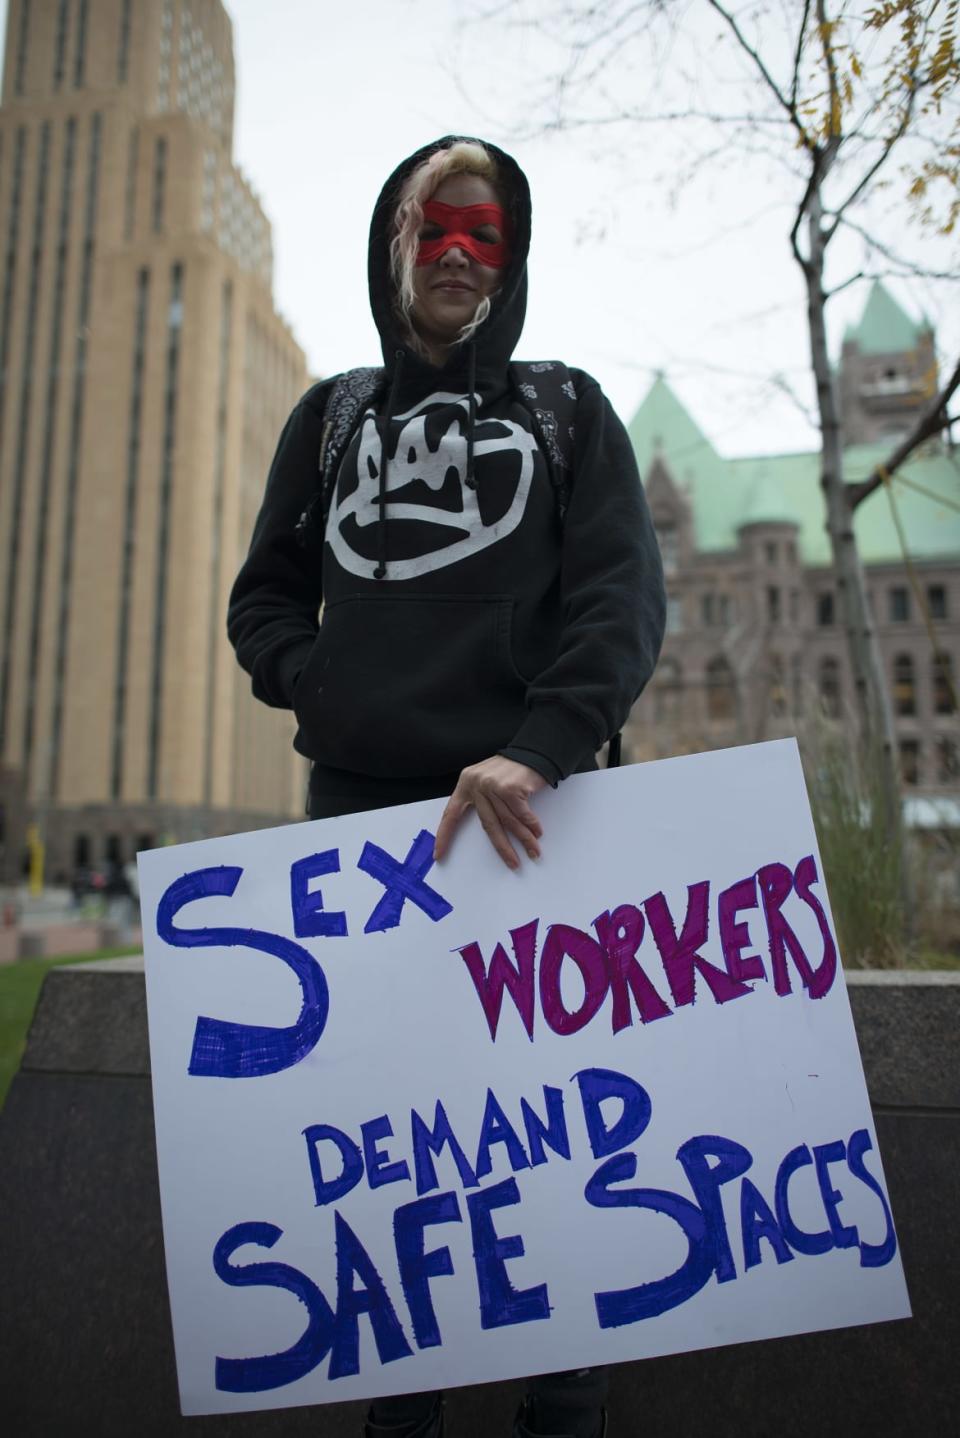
x,y
423,1125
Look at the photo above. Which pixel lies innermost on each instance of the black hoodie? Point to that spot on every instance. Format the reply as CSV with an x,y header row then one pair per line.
x,y
459,619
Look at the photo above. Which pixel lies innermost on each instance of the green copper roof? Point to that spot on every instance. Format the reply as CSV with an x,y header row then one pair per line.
x,y
764,505
725,493
792,483
662,426
884,327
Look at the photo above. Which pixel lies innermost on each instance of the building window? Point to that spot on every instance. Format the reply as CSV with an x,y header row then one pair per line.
x,y
910,761
123,49
174,327
948,760
130,197
674,614
828,684
667,539
898,602
770,551
726,609
46,461
23,37
60,46
796,682
937,601
81,851
209,189
23,421
668,691
721,690
213,618
708,610
159,182
944,690
825,614
128,554
80,58
778,693
773,604
114,852
904,689
74,446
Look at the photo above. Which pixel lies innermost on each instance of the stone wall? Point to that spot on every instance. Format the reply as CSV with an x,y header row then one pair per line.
x,y
88,1346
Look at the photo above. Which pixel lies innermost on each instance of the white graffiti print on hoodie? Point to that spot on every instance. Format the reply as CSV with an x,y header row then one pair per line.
x,y
415,460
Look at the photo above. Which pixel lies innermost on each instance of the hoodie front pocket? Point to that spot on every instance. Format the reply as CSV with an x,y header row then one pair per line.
x,y
411,685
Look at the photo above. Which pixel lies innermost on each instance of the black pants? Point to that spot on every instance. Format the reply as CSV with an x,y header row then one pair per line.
x,y
337,791
562,1403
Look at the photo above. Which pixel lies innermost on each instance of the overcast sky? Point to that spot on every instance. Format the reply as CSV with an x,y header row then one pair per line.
x,y
633,267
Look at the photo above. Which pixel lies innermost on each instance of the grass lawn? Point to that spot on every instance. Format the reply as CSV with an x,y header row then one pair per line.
x,y
19,991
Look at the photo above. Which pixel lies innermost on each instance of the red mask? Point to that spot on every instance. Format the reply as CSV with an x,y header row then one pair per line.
x,y
457,223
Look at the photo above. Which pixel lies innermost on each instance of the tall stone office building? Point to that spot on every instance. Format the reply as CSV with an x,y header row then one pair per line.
x,y
144,378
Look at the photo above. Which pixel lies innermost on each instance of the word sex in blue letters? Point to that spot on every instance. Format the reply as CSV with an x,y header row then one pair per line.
x,y
227,1050
714,1168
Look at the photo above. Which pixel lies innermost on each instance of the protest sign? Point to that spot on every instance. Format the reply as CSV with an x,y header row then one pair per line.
x,y
422,1125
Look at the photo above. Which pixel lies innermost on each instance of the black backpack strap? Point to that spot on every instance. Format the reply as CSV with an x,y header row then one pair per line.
x,y
547,389
352,393
549,392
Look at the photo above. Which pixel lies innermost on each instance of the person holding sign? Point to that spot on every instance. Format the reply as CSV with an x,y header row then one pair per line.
x,y
477,533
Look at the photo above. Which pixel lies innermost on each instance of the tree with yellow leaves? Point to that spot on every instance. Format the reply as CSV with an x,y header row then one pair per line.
x,y
851,97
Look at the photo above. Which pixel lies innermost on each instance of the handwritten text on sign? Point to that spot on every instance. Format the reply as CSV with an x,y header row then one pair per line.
x,y
472,1127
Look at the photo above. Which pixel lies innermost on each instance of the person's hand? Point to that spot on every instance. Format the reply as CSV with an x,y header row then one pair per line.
x,y
500,790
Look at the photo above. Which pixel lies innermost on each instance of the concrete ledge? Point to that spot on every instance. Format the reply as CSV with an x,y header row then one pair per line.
x,y
91,1019
907,1025
88,1348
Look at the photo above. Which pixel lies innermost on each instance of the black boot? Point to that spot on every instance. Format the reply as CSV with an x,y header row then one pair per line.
x,y
524,1418
429,1427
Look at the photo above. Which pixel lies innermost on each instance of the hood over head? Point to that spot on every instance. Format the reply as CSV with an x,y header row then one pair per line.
x,y
495,340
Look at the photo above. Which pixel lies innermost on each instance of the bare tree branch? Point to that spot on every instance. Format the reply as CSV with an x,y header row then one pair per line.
x,y
906,267
932,420
768,79
874,169
781,383
798,53
824,26
641,117
829,294
813,183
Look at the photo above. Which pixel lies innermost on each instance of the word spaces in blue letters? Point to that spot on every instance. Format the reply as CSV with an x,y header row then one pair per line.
x,y
708,1165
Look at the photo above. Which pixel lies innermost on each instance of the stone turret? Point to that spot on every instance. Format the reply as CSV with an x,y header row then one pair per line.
x,y
888,371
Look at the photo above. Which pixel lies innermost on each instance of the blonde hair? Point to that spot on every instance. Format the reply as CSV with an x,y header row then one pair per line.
x,y
464,157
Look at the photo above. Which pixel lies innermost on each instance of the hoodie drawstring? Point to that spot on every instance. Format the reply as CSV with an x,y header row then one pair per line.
x,y
383,426
472,410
